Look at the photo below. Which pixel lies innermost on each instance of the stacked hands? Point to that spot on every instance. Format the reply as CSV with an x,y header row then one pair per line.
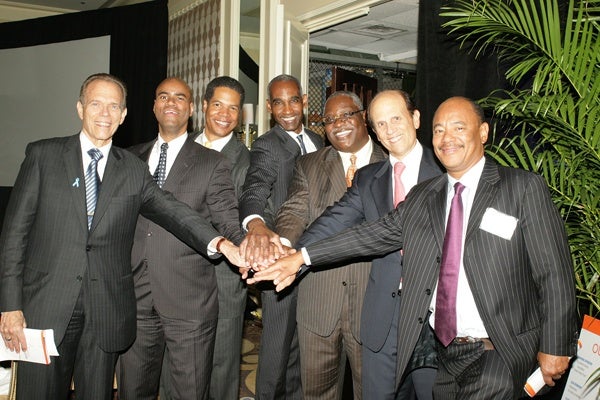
x,y
265,258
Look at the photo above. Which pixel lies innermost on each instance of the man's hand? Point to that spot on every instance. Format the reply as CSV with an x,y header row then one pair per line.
x,y
12,324
553,367
232,252
261,245
282,272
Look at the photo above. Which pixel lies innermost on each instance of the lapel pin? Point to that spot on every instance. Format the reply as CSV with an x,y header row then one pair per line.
x,y
76,183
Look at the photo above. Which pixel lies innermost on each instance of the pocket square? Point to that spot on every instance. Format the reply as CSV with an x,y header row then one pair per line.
x,y
498,223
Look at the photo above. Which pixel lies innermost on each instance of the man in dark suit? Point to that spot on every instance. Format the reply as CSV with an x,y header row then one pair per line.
x,y
272,160
222,103
513,282
62,270
176,288
332,334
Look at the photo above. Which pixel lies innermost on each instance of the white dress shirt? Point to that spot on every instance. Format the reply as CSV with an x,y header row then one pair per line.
x,y
175,146
214,144
468,320
86,144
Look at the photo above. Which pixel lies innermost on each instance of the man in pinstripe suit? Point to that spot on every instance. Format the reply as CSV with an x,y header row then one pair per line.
x,y
59,271
516,300
176,288
272,160
330,335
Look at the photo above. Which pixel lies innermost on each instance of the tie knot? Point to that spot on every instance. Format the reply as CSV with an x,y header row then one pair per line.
x,y
95,154
458,188
353,160
399,168
164,147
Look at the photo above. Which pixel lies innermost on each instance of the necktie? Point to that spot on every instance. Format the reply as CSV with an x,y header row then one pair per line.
x,y
208,144
161,168
92,184
302,146
351,170
399,193
445,305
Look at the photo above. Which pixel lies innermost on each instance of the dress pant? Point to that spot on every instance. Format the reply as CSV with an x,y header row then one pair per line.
x,y
81,358
323,360
278,374
468,371
190,346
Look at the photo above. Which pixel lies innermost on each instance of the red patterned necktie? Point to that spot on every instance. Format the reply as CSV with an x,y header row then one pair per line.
x,y
445,305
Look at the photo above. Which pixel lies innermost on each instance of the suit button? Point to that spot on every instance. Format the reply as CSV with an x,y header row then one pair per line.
x,y
420,320
344,283
88,248
437,259
79,278
149,234
428,292
393,294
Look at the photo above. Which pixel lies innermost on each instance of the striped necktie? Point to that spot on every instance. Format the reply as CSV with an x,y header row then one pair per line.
x,y
92,184
160,173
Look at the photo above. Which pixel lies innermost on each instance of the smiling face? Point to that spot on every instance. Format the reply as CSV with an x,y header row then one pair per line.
x,y
221,113
347,135
395,126
101,110
173,107
286,105
459,134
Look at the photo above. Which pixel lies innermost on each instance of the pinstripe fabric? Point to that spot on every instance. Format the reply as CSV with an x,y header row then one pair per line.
x,y
272,161
176,287
368,199
523,287
225,377
318,182
46,251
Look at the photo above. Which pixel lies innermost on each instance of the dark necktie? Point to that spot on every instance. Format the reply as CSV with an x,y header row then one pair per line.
x,y
302,146
399,193
445,305
92,184
351,170
161,169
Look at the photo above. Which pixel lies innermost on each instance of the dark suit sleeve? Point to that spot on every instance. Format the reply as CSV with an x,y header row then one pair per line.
x,y
176,217
347,212
294,215
19,217
548,251
260,178
222,203
368,239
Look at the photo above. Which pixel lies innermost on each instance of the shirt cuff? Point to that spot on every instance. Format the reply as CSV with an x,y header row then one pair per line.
x,y
305,256
211,249
250,218
285,242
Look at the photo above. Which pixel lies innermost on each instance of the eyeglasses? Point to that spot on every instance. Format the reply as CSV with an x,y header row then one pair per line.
x,y
342,117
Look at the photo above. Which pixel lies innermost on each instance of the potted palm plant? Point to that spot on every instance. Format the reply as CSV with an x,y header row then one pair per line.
x,y
552,55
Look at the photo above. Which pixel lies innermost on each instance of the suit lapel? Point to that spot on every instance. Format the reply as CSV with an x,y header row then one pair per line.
x,y
437,209
110,182
380,187
184,160
76,177
334,170
486,193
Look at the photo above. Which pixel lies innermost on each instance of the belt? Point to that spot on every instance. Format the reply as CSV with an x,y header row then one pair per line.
x,y
487,343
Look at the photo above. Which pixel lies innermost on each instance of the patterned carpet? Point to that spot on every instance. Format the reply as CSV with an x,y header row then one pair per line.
x,y
250,344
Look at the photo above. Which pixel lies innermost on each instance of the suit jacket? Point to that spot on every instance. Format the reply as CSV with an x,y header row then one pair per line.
x,y
319,181
46,250
272,161
183,282
369,198
229,280
523,287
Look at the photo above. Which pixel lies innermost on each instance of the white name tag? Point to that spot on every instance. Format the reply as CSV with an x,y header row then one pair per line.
x,y
498,223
